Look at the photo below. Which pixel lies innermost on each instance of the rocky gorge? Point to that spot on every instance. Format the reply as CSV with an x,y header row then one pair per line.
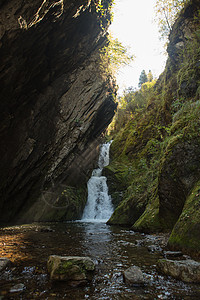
x,y
57,100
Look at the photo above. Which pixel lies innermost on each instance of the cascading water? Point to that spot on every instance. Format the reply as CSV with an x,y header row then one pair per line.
x,y
99,205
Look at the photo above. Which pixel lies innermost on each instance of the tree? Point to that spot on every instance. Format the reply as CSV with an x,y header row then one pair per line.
x,y
114,55
166,12
143,78
150,76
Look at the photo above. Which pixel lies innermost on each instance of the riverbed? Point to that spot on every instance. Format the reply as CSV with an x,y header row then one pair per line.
x,y
113,249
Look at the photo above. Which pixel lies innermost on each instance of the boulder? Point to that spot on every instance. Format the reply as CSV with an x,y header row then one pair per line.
x,y
133,275
70,268
4,262
185,270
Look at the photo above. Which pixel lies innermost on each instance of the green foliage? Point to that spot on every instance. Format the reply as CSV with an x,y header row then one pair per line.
x,y
156,145
143,78
188,77
150,76
130,104
104,10
166,12
114,56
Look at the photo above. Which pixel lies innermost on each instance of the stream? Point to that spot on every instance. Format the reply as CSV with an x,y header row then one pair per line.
x,y
112,248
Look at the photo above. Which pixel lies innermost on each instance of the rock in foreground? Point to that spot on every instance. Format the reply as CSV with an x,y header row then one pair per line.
x,y
134,275
186,270
70,268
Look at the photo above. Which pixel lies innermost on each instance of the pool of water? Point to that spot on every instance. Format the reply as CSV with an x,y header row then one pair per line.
x,y
113,249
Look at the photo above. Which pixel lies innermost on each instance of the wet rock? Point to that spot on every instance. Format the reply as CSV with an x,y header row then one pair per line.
x,y
4,262
133,275
185,270
171,254
70,268
17,288
139,243
154,248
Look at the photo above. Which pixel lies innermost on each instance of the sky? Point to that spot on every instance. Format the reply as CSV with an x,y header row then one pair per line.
x,y
134,27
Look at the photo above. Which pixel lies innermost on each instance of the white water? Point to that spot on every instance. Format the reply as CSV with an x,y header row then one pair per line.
x,y
99,205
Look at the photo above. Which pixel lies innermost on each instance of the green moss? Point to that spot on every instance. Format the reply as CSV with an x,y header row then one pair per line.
x,y
127,212
150,220
189,72
186,233
65,267
136,174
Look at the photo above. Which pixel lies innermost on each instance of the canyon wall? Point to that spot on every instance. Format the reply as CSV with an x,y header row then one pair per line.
x,y
56,101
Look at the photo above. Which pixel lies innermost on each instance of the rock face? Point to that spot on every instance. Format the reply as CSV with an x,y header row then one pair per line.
x,y
70,268
55,103
186,270
186,232
177,179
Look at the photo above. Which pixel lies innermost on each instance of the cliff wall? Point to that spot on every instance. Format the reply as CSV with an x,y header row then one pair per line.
x,y
55,103
155,157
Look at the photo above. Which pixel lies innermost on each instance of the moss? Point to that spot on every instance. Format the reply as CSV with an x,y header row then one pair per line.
x,y
134,176
127,212
155,155
189,72
141,169
65,267
150,220
186,233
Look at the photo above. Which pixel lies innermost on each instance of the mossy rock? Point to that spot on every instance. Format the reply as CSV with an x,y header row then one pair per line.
x,y
178,173
116,183
128,212
186,233
70,268
150,220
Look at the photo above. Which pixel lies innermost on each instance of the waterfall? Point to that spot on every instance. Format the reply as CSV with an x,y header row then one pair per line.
x,y
99,205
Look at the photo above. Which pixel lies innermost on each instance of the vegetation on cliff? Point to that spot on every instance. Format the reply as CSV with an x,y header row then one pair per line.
x,y
155,152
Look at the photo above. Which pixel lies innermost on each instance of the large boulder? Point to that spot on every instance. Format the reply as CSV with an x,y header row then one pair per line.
x,y
186,270
70,268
